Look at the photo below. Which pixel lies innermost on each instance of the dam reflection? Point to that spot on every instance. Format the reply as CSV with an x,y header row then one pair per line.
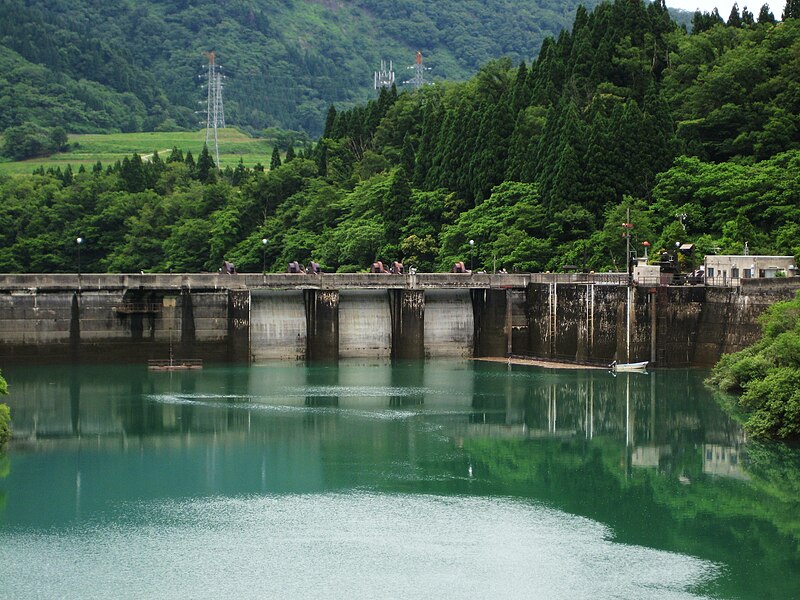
x,y
651,413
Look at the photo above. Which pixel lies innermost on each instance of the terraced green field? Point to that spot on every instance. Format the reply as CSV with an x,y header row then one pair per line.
x,y
108,148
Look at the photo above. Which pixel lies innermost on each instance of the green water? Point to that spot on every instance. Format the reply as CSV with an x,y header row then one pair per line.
x,y
367,480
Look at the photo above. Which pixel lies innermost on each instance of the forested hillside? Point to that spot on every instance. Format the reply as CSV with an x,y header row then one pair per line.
x,y
90,66
697,135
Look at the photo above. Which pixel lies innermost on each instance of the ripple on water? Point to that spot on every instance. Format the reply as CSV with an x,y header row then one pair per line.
x,y
342,546
255,403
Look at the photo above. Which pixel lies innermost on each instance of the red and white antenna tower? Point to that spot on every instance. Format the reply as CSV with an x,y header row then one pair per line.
x,y
418,79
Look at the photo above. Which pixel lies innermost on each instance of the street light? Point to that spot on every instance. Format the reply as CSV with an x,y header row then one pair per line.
x,y
471,246
264,242
79,241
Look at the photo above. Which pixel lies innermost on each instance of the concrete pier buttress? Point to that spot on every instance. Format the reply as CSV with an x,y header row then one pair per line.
x,y
322,325
490,308
239,325
408,323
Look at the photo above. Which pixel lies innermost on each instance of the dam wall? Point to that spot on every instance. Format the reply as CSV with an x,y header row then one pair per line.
x,y
669,326
116,325
130,318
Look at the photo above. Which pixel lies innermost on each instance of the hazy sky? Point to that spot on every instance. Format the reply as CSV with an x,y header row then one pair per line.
x,y
724,7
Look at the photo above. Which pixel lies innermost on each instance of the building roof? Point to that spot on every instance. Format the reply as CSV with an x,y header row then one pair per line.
x,y
749,256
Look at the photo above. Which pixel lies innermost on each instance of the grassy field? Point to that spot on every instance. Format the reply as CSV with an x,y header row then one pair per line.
x,y
108,148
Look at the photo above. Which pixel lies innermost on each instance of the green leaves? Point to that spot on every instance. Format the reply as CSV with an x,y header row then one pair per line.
x,y
768,374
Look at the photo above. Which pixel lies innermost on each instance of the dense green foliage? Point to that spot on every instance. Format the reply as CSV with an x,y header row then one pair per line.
x,y
29,140
133,66
767,374
5,416
538,163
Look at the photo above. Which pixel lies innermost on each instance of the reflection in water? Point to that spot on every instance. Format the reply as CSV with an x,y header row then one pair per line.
x,y
650,456
655,416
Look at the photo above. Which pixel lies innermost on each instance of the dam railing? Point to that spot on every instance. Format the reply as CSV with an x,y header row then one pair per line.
x,y
255,281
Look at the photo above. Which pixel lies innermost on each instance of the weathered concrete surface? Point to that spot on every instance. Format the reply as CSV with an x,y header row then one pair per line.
x,y
219,317
449,323
120,325
669,326
490,308
277,325
322,325
365,324
408,323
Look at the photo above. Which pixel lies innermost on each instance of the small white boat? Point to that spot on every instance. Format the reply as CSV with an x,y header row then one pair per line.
x,y
637,366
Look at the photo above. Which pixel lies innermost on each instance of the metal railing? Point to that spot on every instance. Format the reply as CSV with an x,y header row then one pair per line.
x,y
597,278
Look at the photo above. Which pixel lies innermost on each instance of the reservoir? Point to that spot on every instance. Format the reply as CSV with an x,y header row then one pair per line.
x,y
379,479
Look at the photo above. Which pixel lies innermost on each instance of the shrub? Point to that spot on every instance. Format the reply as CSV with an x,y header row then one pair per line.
x,y
5,424
774,404
767,374
5,416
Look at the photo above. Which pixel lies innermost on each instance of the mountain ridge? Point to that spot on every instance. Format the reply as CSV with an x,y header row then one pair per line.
x,y
91,67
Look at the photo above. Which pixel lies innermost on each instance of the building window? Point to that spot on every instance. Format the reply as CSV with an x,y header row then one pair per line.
x,y
710,271
734,272
748,273
762,273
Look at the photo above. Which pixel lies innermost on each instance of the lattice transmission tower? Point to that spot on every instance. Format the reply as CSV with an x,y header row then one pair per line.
x,y
385,77
215,112
418,79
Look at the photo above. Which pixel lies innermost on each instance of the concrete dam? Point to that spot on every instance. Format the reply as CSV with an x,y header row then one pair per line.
x,y
252,317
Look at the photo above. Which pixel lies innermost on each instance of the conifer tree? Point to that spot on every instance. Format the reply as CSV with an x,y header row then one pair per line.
x,y
321,154
239,175
397,206
67,176
765,15
407,158
791,10
734,20
521,94
275,161
496,129
205,166
175,156
131,172
330,119
441,153
290,156
431,128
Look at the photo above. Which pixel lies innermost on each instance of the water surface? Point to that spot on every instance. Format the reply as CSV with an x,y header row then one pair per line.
x,y
449,479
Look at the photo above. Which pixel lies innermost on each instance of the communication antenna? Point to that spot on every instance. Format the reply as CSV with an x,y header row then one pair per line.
x,y
385,77
215,113
418,79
